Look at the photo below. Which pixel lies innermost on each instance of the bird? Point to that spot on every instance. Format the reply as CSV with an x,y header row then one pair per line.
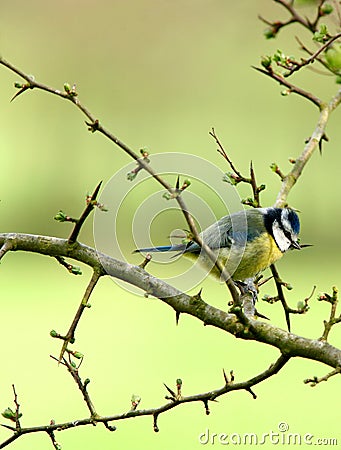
x,y
245,242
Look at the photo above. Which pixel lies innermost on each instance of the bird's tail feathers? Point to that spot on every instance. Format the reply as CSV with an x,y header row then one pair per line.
x,y
164,248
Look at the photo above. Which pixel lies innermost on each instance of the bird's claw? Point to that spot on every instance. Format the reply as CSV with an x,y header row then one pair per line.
x,y
248,286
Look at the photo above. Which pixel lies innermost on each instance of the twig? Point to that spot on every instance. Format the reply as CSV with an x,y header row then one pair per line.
x,y
236,177
333,300
315,380
75,270
177,300
70,336
281,297
89,207
313,57
275,27
313,143
205,397
6,246
53,440
223,153
146,261
320,60
82,386
95,125
295,17
291,87
17,408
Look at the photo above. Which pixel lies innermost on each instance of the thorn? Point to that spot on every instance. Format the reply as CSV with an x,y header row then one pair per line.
x,y
177,185
225,378
62,351
207,409
265,280
155,427
22,90
177,317
198,295
254,396
287,319
169,390
261,315
323,138
94,195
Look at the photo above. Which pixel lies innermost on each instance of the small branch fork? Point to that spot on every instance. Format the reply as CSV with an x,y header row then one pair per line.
x,y
175,400
287,310
333,301
82,385
291,66
91,203
333,320
235,177
295,18
98,271
314,56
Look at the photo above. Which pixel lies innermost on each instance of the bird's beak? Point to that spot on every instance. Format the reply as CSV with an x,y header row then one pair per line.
x,y
295,244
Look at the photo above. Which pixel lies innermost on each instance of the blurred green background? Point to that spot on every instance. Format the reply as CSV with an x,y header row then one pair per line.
x,y
160,75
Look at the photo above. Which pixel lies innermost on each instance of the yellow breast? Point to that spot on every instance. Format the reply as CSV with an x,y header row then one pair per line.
x,y
258,256
248,262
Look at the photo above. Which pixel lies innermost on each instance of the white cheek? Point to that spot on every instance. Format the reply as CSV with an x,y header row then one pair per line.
x,y
282,241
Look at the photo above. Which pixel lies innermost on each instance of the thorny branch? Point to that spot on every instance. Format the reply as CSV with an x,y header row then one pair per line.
x,y
95,125
229,386
288,343
291,65
237,324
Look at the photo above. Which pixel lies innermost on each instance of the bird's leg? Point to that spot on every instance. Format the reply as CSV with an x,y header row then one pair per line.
x,y
248,286
249,295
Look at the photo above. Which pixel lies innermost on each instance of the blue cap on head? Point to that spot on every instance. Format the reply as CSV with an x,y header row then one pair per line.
x,y
294,220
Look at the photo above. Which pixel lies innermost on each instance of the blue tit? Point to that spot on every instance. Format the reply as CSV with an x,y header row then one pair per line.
x,y
246,242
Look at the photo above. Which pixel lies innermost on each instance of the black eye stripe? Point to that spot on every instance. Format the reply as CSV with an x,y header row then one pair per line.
x,y
288,235
286,232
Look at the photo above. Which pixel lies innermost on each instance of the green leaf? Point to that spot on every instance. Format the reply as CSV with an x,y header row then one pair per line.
x,y
322,34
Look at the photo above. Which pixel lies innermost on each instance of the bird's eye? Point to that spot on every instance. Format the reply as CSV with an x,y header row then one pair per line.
x,y
288,235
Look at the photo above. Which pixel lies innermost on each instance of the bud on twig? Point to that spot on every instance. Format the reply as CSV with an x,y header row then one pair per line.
x,y
135,400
